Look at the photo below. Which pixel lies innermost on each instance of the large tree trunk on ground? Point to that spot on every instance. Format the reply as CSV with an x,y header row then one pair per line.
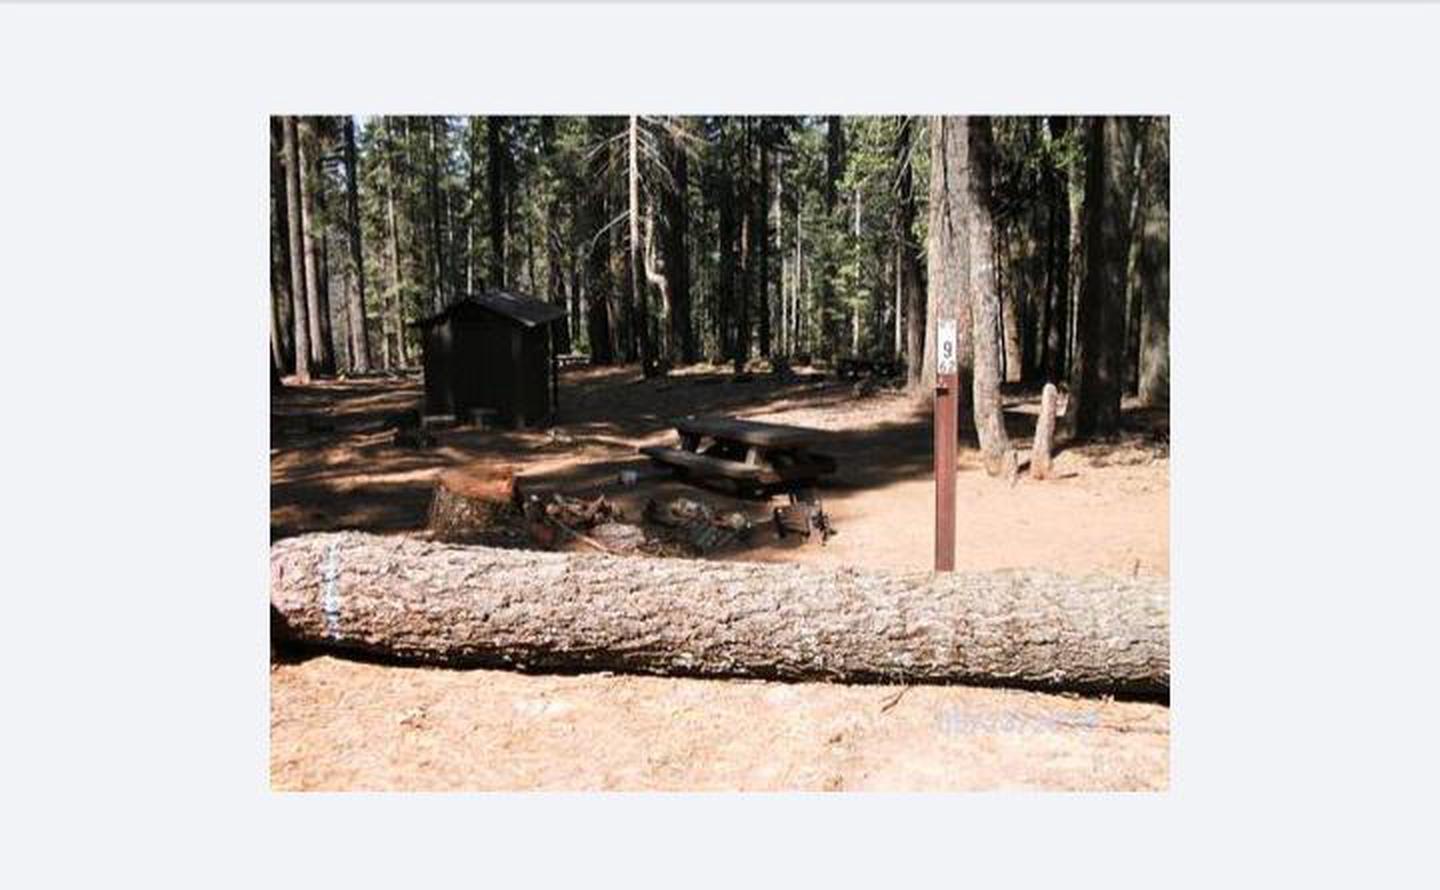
x,y
477,606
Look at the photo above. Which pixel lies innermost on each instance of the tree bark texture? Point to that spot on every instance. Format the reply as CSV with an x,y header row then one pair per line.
x,y
985,302
1044,434
913,295
1057,199
476,606
1098,363
598,283
637,291
395,309
834,170
495,207
677,257
359,337
469,501
295,213
1154,271
762,243
281,301
948,291
438,268
320,357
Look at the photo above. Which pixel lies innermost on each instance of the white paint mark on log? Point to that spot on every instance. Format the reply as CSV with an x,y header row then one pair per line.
x,y
330,594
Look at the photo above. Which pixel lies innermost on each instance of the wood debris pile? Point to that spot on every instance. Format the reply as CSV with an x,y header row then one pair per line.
x,y
697,526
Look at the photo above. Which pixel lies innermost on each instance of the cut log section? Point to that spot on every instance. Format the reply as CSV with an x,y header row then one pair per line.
x,y
1044,434
476,606
469,502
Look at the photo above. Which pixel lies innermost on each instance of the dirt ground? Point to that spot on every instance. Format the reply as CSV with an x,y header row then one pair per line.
x,y
341,724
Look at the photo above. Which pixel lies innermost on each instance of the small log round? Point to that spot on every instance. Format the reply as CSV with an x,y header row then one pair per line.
x,y
1044,434
470,501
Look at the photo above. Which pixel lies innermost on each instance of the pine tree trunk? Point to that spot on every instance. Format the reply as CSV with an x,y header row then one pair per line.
x,y
314,309
949,262
295,213
281,299
824,314
359,336
1154,272
1131,360
555,288
729,232
1057,316
914,294
330,362
1010,324
677,256
745,213
1098,367
494,172
640,293
1075,246
438,289
598,282
477,606
984,300
764,205
396,300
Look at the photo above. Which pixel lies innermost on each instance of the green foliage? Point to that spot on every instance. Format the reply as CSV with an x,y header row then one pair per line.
x,y
426,216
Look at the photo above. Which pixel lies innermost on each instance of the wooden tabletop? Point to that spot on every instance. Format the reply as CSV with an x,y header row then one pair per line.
x,y
750,432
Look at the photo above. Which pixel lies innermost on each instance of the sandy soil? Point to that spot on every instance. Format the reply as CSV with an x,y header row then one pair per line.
x,y
345,724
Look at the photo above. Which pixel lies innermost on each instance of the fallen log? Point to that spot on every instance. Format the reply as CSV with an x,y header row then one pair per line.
x,y
425,601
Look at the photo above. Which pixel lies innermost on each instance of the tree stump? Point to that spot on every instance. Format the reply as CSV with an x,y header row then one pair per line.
x,y
471,502
1044,434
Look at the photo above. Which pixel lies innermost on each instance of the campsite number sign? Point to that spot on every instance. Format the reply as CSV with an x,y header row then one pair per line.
x,y
945,357
946,402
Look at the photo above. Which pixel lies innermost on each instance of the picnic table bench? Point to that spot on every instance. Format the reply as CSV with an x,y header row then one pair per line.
x,y
749,453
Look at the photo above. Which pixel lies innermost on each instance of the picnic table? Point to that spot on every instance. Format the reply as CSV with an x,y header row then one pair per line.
x,y
749,453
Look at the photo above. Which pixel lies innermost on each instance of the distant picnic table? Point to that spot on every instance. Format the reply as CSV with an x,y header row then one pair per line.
x,y
749,453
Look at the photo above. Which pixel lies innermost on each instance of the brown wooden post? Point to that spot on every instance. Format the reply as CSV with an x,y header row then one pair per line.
x,y
947,391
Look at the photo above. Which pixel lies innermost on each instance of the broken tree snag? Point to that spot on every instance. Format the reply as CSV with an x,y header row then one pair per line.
x,y
470,501
1044,434
477,606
